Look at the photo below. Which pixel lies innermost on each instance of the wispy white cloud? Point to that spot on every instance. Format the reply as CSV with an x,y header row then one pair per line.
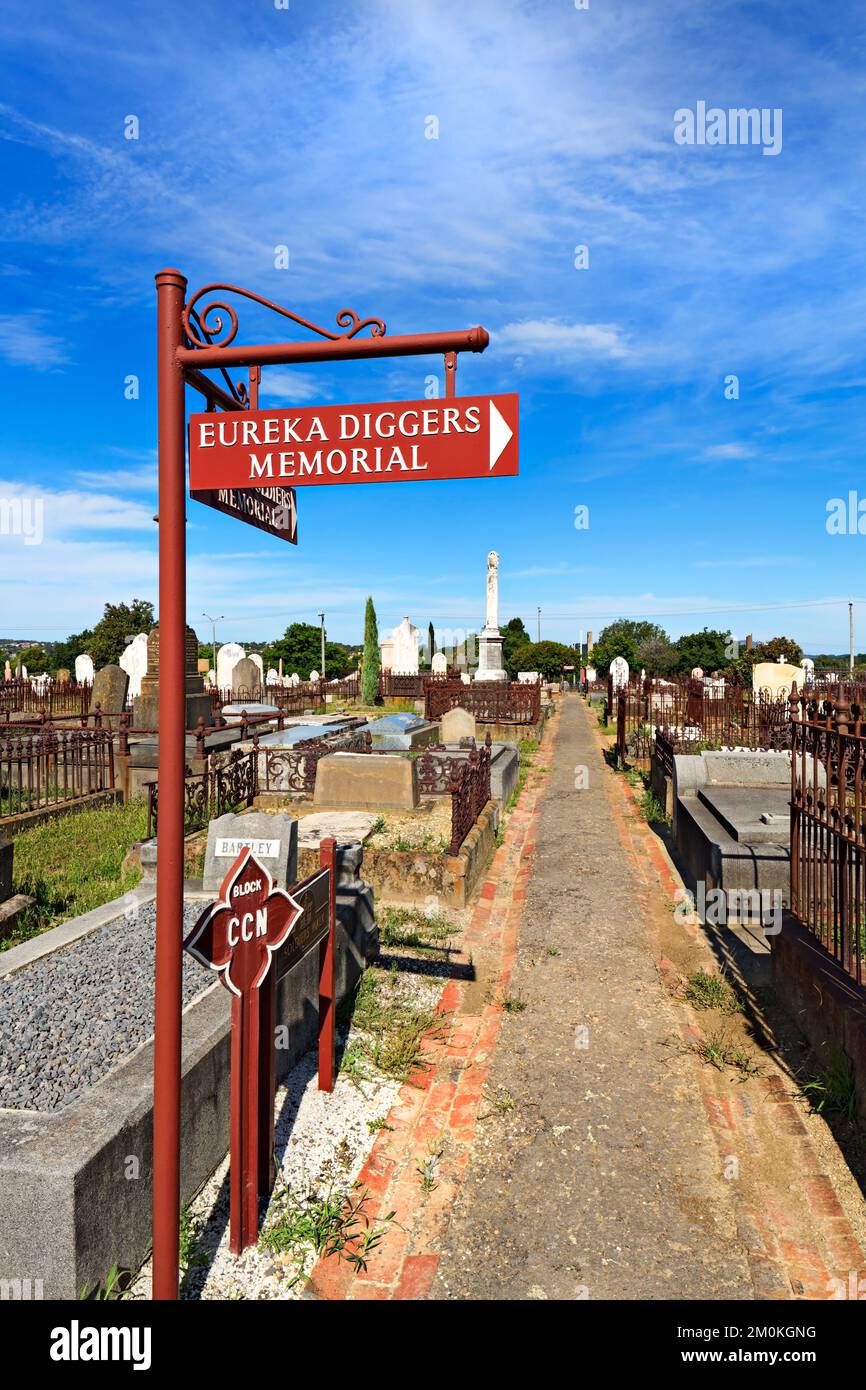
x,y
143,479
69,513
727,451
26,342
552,341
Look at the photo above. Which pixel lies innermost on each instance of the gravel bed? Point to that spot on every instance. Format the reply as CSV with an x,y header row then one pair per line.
x,y
70,1017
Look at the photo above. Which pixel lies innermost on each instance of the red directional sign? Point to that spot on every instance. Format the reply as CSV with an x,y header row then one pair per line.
x,y
454,437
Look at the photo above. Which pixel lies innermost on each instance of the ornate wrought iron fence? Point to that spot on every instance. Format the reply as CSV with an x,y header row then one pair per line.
x,y
470,793
226,782
51,767
828,828
491,702
57,698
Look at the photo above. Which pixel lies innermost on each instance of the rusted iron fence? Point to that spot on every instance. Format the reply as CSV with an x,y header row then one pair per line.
x,y
828,828
226,782
291,699
54,698
693,716
470,793
399,686
52,767
490,702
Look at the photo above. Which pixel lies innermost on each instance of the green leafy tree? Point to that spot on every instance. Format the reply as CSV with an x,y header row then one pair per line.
x,y
34,658
514,635
649,644
119,622
300,649
63,654
546,657
779,646
606,648
710,649
372,661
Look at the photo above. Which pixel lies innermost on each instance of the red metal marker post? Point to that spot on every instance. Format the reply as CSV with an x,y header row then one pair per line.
x,y
170,290
327,1001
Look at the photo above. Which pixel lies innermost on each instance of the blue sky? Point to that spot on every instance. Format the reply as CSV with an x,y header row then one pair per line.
x,y
305,127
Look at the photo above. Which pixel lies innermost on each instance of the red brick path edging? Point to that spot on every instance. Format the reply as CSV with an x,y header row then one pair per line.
x,y
434,1117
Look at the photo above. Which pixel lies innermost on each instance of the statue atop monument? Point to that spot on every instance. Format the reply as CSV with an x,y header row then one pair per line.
x,y
489,641
491,617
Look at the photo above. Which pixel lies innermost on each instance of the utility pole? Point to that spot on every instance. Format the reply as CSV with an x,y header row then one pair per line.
x,y
322,621
213,622
539,625
851,638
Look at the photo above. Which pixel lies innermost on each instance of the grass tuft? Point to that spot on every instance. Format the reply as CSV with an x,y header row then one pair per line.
x,y
711,991
834,1091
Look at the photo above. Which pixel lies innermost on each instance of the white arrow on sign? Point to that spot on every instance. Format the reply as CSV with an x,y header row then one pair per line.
x,y
500,433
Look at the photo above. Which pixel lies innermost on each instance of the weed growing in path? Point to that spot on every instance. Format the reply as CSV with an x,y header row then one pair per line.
x,y
834,1090
389,1028
711,991
333,1221
719,1049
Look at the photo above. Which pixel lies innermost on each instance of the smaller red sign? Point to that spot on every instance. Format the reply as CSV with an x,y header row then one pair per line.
x,y
239,933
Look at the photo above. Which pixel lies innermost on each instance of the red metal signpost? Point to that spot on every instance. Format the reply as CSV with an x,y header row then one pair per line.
x,y
186,350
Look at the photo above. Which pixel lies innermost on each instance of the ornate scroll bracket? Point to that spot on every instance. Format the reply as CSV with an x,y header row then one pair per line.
x,y
203,327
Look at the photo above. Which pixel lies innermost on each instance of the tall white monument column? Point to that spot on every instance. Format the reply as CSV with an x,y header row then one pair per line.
x,y
489,641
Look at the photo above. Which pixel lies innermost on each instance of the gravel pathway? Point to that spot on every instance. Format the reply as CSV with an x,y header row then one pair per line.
x,y
70,1017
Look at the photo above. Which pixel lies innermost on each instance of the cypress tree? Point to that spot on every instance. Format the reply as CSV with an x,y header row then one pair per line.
x,y
372,658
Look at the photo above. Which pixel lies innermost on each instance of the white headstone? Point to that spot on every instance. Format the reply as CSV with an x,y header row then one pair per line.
x,y
697,673
807,666
404,652
7,673
774,678
133,660
273,677
439,664
294,678
591,673
528,677
314,675
84,669
211,677
619,672
228,657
